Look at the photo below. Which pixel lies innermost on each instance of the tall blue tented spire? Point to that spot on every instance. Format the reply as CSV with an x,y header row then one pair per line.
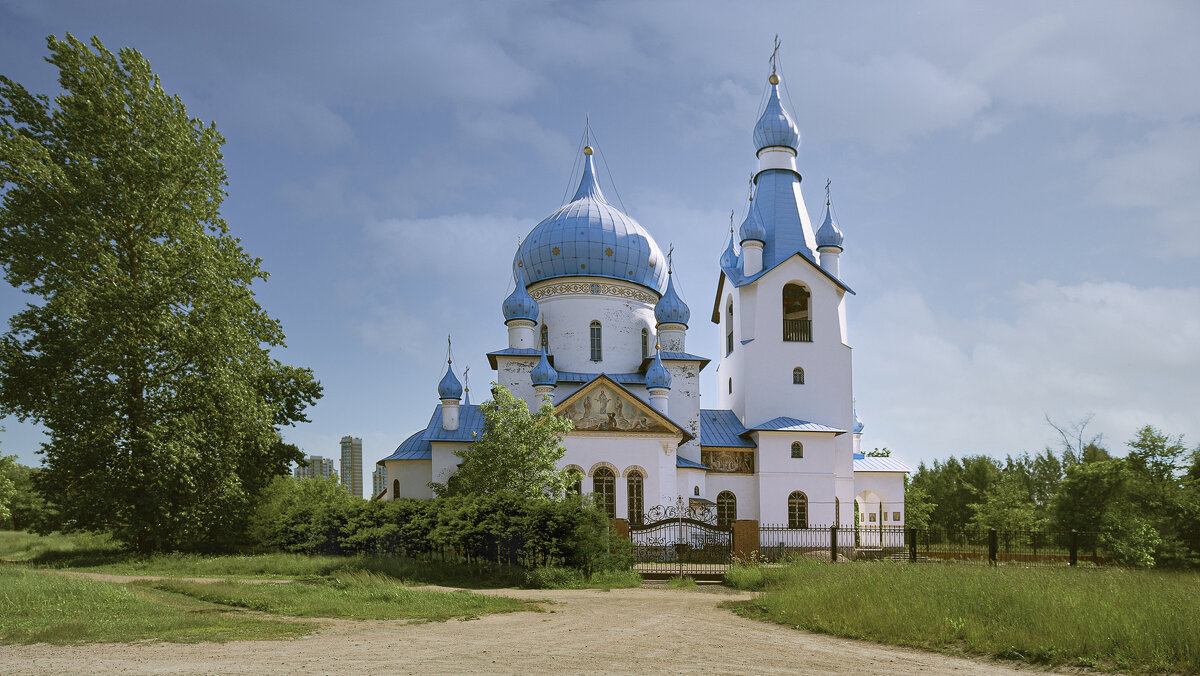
x,y
775,127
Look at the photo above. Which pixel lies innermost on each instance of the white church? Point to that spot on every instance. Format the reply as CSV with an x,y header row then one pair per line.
x,y
596,327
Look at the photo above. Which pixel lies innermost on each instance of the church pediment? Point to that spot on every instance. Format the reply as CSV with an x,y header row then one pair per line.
x,y
603,405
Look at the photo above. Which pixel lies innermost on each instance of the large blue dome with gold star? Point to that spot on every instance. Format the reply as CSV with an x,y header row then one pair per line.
x,y
588,237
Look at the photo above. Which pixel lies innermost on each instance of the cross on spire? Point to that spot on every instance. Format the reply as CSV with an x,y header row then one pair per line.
x,y
827,182
775,54
449,359
670,251
731,221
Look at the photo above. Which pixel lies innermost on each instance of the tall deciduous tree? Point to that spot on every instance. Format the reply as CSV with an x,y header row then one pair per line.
x,y
517,451
145,354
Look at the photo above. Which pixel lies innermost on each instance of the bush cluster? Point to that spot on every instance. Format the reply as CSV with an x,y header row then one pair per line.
x,y
315,516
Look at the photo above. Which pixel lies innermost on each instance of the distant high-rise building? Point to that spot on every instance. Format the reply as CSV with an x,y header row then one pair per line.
x,y
318,468
378,480
352,477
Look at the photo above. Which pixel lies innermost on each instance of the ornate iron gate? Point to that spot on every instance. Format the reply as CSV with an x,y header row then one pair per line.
x,y
681,539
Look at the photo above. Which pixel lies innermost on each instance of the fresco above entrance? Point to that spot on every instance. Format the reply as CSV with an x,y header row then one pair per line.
x,y
603,409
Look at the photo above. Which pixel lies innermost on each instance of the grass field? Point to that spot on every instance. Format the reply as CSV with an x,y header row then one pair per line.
x,y
98,554
1134,620
358,596
45,608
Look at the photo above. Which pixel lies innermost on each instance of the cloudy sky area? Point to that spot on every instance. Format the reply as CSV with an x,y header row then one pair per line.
x,y
1018,184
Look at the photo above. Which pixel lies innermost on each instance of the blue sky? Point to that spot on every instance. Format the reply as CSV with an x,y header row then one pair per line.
x,y
1017,183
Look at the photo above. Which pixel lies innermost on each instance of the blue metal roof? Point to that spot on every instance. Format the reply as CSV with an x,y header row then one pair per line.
x,y
590,237
412,448
775,201
623,378
682,462
786,424
775,127
869,464
470,425
516,352
675,356
671,309
719,427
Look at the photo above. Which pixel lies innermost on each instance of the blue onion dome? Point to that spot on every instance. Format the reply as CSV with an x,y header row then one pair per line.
x,y
519,304
829,233
450,388
588,237
670,308
858,424
752,228
729,259
657,377
544,373
775,127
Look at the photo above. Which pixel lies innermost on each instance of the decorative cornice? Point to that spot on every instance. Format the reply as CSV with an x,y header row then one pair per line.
x,y
592,287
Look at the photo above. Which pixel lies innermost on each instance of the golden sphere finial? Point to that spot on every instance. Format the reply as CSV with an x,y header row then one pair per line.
x,y
587,150
774,79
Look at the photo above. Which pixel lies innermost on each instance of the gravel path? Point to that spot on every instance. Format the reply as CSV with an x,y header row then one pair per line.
x,y
649,630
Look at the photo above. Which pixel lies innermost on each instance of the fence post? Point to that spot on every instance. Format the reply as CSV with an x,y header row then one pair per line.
x,y
833,543
745,539
993,548
912,545
1073,543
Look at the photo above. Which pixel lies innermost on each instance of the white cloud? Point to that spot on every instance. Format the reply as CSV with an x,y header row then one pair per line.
x,y
1158,177
929,385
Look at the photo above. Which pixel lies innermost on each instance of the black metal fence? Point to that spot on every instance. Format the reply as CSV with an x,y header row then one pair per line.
x,y
926,545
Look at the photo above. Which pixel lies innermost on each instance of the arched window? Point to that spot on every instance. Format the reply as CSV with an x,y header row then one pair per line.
x,y
696,491
731,385
797,510
545,338
604,487
797,449
797,323
797,376
595,330
645,343
729,326
395,488
726,508
575,487
636,501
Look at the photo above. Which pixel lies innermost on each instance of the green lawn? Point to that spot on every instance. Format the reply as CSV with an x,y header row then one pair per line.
x,y
46,608
1136,620
98,554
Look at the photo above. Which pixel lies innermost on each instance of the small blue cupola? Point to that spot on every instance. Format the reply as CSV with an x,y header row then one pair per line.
x,y
544,373
858,424
657,377
752,228
829,234
671,309
519,304
449,387
729,258
775,127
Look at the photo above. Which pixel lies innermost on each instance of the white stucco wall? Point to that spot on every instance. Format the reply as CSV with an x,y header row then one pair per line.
x,y
414,477
568,309
655,453
873,489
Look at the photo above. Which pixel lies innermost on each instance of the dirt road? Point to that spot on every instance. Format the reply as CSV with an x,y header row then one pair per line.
x,y
650,630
